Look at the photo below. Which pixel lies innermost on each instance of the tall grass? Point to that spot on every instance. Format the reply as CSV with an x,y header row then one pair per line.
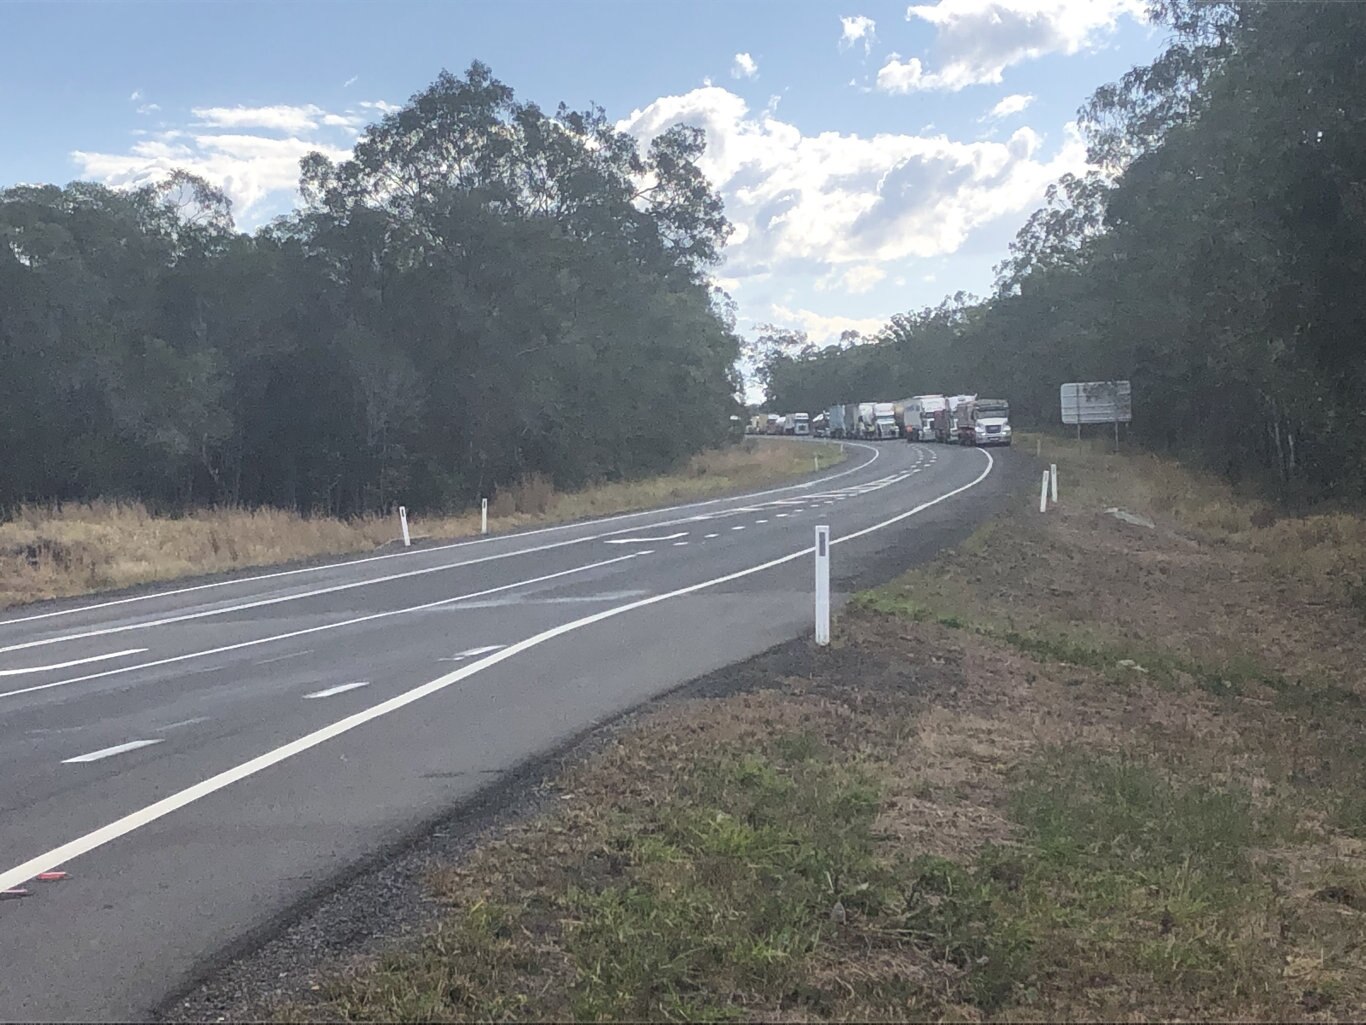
x,y
50,551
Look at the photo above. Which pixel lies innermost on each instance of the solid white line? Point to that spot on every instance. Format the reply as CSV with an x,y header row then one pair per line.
x,y
319,629
108,752
75,662
644,540
341,688
447,547
49,860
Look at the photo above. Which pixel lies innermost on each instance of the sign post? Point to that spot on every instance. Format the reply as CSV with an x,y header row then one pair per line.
x,y
403,522
1097,402
483,516
823,585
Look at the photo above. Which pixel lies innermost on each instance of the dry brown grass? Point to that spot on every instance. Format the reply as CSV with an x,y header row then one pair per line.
x,y
77,548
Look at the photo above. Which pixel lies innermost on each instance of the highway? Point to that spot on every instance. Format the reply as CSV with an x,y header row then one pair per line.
x,y
199,759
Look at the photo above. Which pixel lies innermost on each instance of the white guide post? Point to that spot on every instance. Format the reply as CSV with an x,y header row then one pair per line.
x,y
823,585
1053,482
1043,493
403,522
483,516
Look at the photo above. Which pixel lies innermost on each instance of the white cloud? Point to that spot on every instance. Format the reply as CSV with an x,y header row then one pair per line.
x,y
383,106
821,328
350,82
1010,105
857,29
856,280
249,168
976,40
136,95
281,117
897,76
744,66
149,108
817,203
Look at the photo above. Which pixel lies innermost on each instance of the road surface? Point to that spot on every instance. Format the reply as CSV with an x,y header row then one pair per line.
x,y
199,759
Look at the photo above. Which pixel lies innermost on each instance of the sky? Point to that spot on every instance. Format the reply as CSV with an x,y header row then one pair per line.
x,y
874,156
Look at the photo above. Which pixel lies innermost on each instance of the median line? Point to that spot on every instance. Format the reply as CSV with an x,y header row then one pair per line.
x,y
109,752
340,688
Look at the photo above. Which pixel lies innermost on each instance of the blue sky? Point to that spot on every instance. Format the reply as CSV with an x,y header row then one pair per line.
x,y
855,143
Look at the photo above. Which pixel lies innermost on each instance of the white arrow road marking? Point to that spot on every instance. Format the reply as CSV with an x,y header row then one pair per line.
x,y
340,688
461,655
109,752
643,540
76,662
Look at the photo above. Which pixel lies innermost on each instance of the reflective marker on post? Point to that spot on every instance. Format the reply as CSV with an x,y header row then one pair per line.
x,y
1053,482
403,522
1043,493
483,516
823,585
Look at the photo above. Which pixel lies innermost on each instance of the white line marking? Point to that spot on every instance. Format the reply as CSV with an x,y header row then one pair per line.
x,y
108,752
680,544
761,521
643,540
341,688
447,547
710,536
281,658
75,662
183,722
58,856
460,656
318,629
741,527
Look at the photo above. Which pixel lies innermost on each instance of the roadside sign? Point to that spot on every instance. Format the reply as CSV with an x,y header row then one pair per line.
x,y
1097,402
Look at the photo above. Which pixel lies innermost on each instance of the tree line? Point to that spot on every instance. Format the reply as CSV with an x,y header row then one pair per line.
x,y
1216,258
483,291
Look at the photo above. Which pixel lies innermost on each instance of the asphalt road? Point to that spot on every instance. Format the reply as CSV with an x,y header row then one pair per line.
x,y
199,759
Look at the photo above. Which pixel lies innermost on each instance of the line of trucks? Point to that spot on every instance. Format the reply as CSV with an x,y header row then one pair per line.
x,y
947,419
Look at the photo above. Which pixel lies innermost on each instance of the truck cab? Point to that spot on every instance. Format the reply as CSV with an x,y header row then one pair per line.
x,y
799,424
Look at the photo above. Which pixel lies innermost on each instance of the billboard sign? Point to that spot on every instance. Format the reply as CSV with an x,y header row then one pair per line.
x,y
1097,402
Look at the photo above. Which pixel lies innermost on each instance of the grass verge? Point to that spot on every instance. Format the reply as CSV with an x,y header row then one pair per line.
x,y
1076,769
77,548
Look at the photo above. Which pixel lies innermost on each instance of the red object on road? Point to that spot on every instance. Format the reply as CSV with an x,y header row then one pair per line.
x,y
50,877
14,894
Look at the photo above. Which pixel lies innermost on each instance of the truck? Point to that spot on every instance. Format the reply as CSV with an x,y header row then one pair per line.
x,y
884,421
835,418
774,424
917,417
820,426
799,424
758,423
851,420
983,422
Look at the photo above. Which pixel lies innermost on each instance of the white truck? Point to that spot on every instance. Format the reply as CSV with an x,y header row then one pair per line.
x,y
799,424
918,416
884,421
983,422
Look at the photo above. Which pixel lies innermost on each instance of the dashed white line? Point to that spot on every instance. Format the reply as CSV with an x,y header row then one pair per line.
x,y
680,544
761,521
741,527
183,722
710,536
340,688
460,656
109,752
781,516
643,540
282,658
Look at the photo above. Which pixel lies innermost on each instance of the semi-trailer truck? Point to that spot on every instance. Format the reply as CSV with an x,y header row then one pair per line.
x,y
884,421
983,422
918,416
799,424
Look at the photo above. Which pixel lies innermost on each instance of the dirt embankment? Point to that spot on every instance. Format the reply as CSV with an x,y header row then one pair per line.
x,y
1078,768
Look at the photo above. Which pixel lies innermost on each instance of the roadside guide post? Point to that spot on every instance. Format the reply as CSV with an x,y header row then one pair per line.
x,y
1053,482
1043,493
403,522
823,585
483,516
